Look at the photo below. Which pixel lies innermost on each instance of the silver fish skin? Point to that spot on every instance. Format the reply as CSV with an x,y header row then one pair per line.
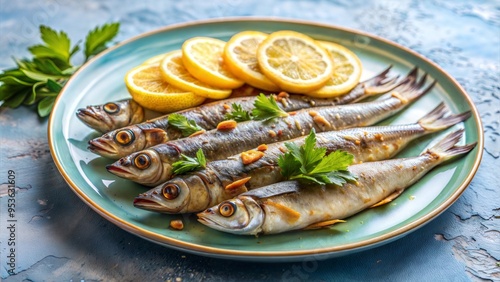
x,y
290,205
112,115
199,190
127,140
153,166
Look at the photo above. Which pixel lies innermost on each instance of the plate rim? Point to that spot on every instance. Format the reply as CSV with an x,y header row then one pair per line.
x,y
231,253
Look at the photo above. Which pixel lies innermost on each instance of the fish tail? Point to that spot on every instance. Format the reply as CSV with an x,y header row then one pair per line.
x,y
441,118
415,90
411,88
381,83
378,78
447,148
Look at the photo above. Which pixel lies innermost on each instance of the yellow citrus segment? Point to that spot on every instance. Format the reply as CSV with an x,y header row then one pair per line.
x,y
173,71
294,61
347,71
202,57
147,87
240,57
154,60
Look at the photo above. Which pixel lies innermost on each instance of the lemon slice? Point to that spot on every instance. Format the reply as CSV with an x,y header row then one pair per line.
x,y
294,61
240,56
347,71
154,60
202,57
147,87
173,71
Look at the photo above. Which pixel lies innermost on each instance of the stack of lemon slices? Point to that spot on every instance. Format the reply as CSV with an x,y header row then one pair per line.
x,y
211,68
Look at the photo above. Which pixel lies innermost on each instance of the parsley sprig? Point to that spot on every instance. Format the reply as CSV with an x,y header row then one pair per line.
x,y
265,108
238,114
309,163
40,79
185,125
187,164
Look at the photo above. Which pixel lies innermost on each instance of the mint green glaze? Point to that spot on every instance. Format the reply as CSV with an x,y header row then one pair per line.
x,y
101,80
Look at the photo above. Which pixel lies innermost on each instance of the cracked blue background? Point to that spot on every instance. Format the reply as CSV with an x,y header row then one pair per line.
x,y
60,238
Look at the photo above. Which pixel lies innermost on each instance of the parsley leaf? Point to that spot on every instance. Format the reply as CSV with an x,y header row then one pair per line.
x,y
97,38
186,126
187,164
310,156
40,79
309,163
266,108
289,165
57,46
238,114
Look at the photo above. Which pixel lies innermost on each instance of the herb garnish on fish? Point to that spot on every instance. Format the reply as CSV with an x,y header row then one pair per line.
x,y
309,163
186,126
187,164
266,108
238,114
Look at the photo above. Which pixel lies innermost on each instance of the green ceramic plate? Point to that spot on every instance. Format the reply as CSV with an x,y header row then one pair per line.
x,y
101,80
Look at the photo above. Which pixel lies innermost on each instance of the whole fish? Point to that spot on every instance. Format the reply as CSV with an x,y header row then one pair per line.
x,y
204,188
291,205
112,115
124,141
154,165
119,114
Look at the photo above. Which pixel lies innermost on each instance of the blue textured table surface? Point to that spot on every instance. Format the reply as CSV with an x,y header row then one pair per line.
x,y
59,238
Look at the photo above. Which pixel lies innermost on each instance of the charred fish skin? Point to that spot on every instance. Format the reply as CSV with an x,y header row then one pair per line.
x,y
366,144
112,115
291,205
218,144
157,131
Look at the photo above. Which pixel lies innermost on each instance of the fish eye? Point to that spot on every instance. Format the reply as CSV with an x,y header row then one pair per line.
x,y
227,209
142,161
124,137
171,191
111,108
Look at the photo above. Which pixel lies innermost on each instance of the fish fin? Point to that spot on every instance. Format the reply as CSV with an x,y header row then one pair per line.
x,y
290,214
280,188
155,135
323,224
441,118
447,149
389,198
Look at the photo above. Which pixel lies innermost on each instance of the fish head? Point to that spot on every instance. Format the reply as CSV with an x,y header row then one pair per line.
x,y
111,115
241,215
181,194
127,140
144,167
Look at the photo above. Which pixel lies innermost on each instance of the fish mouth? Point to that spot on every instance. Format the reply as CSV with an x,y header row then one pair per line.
x,y
89,116
101,148
86,113
116,170
147,204
205,220
94,119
